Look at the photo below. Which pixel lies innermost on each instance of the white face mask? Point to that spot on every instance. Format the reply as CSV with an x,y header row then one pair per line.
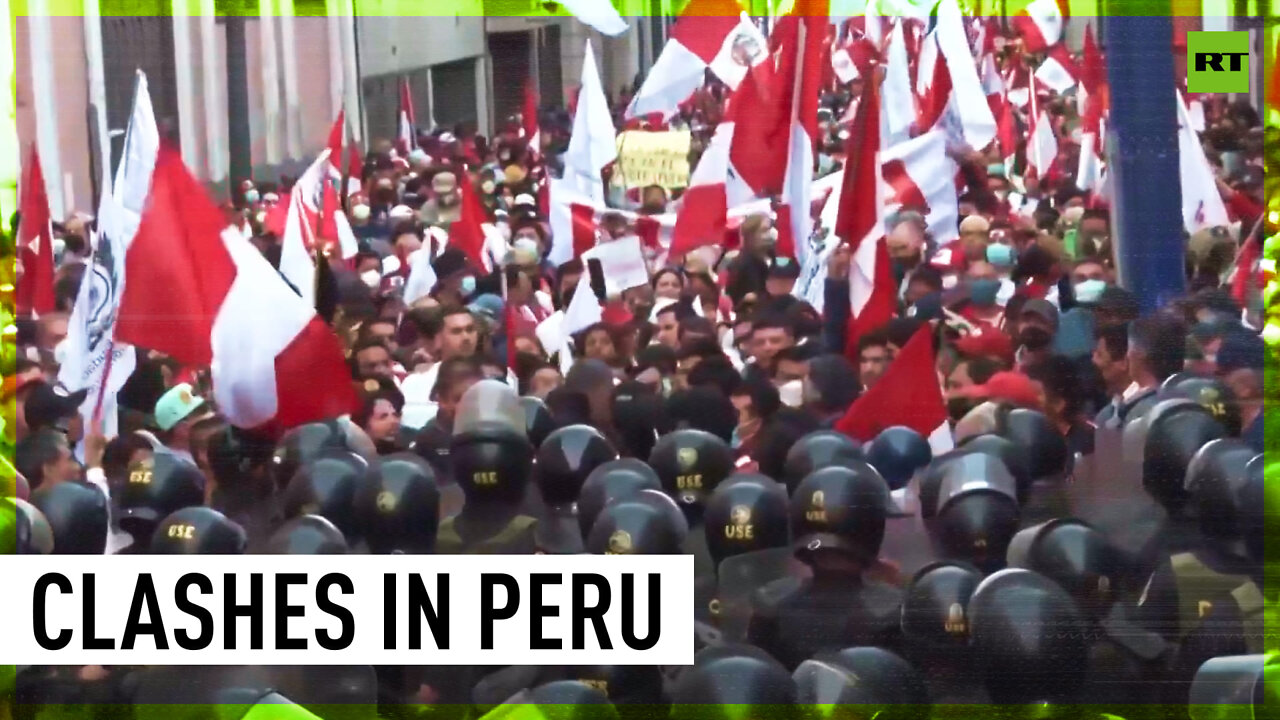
x,y
468,285
792,393
251,196
487,187
371,278
360,212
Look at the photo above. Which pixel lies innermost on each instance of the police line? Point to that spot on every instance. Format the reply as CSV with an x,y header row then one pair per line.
x,y
347,609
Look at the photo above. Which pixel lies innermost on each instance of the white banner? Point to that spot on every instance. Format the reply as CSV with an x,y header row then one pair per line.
x,y
348,610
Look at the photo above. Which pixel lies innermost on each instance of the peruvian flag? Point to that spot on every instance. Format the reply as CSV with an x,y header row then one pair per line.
x,y
1041,23
1058,72
704,211
316,196
860,222
575,224
468,234
406,132
34,295
908,394
529,119
1093,100
921,175
803,34
1273,81
1202,205
1042,142
202,294
336,134
976,123
711,35
758,151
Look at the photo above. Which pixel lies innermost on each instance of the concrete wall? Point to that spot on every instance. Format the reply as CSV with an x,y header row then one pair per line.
x,y
390,45
298,129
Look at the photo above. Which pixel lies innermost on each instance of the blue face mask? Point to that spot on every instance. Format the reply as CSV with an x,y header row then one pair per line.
x,y
1000,255
983,291
251,196
1089,291
468,285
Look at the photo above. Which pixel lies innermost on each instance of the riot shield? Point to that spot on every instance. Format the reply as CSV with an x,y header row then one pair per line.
x,y
738,579
973,471
821,683
1227,681
451,500
906,541
490,406
1108,494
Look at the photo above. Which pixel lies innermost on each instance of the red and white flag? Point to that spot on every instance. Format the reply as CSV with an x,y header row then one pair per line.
x,y
529,119
977,125
1041,24
908,394
1059,71
593,144
1092,98
803,35
34,294
406,127
860,222
703,215
203,295
710,34
920,174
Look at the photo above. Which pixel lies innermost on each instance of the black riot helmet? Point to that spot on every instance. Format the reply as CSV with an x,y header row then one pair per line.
x,y
159,484
1209,393
969,503
1075,556
817,450
198,531
303,443
399,505
1254,519
691,463
538,423
1219,485
1014,458
746,514
646,523
1030,638
935,609
624,685
307,535
865,682
572,700
77,515
566,457
490,448
327,486
897,453
611,481
729,687
24,530
1245,683
1175,432
640,417
1040,443
841,508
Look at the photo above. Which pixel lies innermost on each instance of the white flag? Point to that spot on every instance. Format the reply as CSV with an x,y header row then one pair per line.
x,y
91,328
593,143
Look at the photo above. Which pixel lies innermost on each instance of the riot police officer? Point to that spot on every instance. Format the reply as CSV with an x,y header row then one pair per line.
x,y
969,504
691,463
935,628
897,453
746,515
399,505
307,535
564,461
538,423
734,686
198,531
611,481
492,459
863,682
77,515
327,485
154,487
838,519
645,523
818,449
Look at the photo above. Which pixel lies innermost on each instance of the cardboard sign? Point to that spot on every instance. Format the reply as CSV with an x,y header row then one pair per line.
x,y
652,158
623,264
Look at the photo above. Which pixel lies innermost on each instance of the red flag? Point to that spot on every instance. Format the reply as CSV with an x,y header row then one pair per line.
x,y
336,134
1273,82
202,294
467,234
529,118
406,126
34,293
860,222
759,149
907,394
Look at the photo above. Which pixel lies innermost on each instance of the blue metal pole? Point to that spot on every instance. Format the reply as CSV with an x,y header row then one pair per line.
x,y
1143,139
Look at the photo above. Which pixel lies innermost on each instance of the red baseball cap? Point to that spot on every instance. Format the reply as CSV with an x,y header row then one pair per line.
x,y
1007,386
989,343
